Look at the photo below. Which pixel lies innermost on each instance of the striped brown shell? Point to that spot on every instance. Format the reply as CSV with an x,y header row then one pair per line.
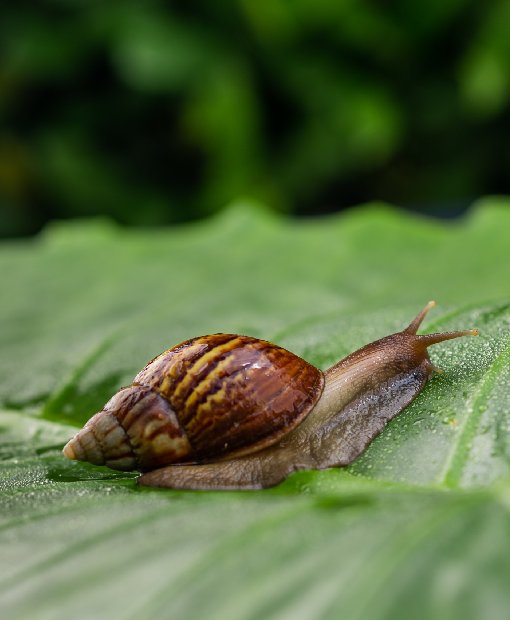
x,y
205,399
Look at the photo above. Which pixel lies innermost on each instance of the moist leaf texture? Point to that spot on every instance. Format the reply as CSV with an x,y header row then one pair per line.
x,y
417,527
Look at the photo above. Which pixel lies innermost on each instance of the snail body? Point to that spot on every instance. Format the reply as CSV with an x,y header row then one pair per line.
x,y
233,412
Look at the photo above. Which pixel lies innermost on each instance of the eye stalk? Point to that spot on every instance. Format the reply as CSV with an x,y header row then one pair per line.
x,y
427,340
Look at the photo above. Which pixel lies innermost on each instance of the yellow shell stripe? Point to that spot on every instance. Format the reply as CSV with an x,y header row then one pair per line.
x,y
235,382
190,376
170,370
204,410
141,422
201,389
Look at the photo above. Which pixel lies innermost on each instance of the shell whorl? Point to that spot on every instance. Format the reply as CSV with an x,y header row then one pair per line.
x,y
136,429
204,399
102,441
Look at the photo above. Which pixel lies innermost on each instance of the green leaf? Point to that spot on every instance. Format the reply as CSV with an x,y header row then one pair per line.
x,y
417,527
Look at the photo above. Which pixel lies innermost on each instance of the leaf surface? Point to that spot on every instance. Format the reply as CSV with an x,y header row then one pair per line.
x,y
417,527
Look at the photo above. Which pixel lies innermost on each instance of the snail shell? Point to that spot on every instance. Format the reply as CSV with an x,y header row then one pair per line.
x,y
234,412
203,399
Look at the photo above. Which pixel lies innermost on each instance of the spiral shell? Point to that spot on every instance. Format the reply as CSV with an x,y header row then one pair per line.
x,y
206,399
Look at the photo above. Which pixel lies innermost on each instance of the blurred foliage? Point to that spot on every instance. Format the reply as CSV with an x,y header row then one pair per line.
x,y
157,112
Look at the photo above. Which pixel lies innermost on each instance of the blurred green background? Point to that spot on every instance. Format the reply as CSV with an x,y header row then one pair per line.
x,y
160,112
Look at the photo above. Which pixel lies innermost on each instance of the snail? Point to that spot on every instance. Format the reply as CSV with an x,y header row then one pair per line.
x,y
234,412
